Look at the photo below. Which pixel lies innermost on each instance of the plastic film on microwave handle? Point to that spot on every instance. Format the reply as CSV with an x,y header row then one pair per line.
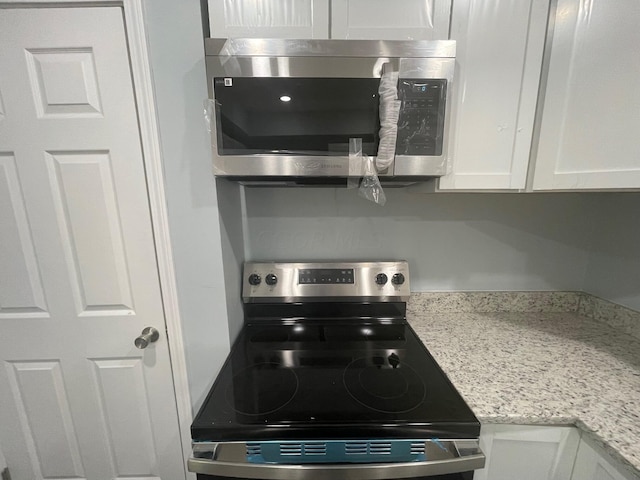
x,y
355,163
363,174
389,113
370,187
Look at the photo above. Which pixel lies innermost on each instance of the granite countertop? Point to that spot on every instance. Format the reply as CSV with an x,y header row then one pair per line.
x,y
541,367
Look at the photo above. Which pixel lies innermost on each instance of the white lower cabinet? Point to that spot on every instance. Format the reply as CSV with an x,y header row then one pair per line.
x,y
593,464
519,452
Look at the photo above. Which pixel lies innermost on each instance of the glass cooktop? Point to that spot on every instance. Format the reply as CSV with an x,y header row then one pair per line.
x,y
331,379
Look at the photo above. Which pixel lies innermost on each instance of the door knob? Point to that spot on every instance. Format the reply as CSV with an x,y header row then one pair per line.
x,y
148,335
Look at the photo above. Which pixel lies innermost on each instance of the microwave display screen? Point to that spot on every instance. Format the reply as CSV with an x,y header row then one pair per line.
x,y
298,116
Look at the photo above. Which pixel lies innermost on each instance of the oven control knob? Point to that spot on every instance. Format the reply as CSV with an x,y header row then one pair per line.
x,y
397,279
381,279
254,279
271,279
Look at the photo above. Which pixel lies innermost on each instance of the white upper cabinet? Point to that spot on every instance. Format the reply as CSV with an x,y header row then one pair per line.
x,y
390,20
591,116
341,19
269,18
499,49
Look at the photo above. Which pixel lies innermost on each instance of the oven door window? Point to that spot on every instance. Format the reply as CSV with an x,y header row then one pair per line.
x,y
297,116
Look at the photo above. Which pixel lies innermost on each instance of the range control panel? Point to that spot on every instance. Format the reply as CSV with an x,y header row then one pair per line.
x,y
357,281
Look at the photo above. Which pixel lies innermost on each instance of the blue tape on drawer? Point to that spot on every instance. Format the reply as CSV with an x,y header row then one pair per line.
x,y
336,451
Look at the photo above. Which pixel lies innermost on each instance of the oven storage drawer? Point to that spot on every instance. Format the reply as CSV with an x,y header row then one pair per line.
x,y
445,459
451,476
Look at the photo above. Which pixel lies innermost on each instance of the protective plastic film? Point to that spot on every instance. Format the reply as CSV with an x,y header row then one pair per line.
x,y
355,163
389,113
211,108
209,112
368,183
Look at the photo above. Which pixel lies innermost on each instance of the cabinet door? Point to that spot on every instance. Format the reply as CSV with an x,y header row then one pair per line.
x,y
498,59
591,116
269,18
592,464
527,452
390,20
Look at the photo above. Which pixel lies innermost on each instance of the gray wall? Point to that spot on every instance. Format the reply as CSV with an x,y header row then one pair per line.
x,y
613,270
453,241
177,57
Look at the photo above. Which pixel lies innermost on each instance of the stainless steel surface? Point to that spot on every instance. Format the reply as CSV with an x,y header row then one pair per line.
x,y
305,67
288,290
254,47
229,459
326,59
148,335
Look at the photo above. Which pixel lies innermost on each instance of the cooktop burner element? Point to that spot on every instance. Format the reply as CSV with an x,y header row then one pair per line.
x,y
269,388
384,387
326,370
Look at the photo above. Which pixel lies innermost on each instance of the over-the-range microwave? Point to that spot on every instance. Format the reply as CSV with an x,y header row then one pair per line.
x,y
286,111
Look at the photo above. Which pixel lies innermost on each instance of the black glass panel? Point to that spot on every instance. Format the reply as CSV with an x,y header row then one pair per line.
x,y
336,380
310,116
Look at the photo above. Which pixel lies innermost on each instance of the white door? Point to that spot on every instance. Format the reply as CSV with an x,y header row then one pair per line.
x,y
78,276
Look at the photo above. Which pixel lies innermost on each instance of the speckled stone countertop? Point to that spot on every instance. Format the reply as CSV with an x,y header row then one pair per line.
x,y
541,367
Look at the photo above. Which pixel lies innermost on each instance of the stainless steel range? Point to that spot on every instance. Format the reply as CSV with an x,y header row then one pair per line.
x,y
327,380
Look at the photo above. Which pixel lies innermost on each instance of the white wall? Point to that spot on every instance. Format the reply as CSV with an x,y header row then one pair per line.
x,y
613,270
177,57
452,241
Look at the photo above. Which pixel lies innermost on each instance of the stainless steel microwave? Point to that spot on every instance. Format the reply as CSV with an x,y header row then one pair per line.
x,y
285,110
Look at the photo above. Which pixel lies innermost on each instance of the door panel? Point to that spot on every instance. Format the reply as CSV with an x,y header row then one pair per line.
x,y
24,295
126,414
45,418
87,210
63,82
78,274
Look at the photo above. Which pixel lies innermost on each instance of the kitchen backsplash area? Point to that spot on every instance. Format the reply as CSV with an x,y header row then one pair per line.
x,y
452,241
462,242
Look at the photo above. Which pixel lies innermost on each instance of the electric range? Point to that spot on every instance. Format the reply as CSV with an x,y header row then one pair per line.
x,y
327,380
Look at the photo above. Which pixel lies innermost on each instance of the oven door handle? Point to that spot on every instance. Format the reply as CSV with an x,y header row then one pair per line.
x,y
229,460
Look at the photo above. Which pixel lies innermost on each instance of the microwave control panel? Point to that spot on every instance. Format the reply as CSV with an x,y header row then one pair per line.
x,y
421,120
